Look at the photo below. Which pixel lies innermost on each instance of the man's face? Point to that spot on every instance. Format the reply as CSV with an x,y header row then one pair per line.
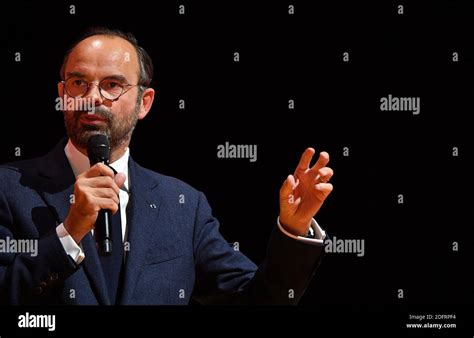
x,y
93,60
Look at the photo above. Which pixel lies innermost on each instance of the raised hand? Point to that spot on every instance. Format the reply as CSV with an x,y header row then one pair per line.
x,y
303,194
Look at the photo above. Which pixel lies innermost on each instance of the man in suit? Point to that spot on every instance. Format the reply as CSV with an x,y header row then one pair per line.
x,y
165,252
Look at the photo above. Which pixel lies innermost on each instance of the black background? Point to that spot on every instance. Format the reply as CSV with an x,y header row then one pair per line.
x,y
407,246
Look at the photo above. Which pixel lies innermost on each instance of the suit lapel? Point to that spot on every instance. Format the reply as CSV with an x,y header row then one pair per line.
x,y
58,181
56,192
142,214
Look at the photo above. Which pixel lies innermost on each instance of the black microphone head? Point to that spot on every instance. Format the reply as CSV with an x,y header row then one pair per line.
x,y
98,149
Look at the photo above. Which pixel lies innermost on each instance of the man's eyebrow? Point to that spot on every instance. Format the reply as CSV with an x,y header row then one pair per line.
x,y
75,74
117,77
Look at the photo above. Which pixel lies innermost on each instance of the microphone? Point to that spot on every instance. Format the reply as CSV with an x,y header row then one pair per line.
x,y
98,150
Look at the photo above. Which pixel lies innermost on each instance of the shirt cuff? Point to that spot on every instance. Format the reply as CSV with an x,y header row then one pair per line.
x,y
69,245
319,234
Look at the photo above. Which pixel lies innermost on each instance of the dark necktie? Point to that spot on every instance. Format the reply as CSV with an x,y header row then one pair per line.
x,y
112,264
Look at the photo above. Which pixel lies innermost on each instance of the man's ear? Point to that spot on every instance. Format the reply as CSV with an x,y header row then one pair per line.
x,y
146,103
60,89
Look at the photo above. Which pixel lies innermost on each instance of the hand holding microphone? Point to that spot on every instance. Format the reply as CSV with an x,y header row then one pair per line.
x,y
95,190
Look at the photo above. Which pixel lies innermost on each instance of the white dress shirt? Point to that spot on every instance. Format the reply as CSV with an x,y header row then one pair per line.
x,y
80,164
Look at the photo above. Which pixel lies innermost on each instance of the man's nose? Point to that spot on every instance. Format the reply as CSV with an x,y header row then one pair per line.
x,y
93,94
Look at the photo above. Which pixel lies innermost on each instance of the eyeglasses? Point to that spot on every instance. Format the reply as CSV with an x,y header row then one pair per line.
x,y
109,89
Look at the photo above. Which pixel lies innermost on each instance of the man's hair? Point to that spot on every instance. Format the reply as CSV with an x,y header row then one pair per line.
x,y
144,60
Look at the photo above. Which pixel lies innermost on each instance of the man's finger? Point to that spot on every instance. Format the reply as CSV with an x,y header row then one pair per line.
x,y
107,204
305,160
320,163
324,174
325,188
99,169
287,187
107,193
102,182
119,179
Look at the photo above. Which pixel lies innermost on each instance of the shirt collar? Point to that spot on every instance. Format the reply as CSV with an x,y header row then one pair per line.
x,y
80,162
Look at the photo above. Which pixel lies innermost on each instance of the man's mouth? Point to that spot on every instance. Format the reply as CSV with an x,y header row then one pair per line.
x,y
91,119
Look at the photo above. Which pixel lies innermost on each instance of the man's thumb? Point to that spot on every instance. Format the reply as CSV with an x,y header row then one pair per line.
x,y
119,179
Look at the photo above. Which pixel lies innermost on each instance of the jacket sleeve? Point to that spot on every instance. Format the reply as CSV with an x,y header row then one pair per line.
x,y
225,276
28,277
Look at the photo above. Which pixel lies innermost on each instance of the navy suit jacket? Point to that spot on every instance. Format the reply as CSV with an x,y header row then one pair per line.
x,y
176,251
